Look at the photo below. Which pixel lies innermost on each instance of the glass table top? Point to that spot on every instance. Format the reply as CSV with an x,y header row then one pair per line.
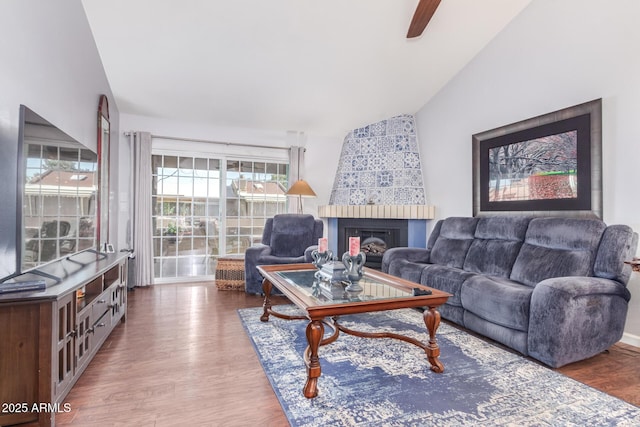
x,y
325,292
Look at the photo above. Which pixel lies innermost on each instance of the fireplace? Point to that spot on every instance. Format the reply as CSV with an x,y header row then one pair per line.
x,y
376,236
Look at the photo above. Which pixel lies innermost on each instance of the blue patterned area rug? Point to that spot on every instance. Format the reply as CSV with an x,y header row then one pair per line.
x,y
386,382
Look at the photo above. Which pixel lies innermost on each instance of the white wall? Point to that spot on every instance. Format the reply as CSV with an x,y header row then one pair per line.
x,y
555,54
50,64
320,160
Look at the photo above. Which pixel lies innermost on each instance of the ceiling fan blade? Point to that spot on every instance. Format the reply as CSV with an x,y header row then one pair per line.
x,y
421,17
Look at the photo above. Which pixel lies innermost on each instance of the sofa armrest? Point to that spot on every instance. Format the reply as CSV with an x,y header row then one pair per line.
x,y
575,287
392,255
574,318
307,253
253,279
257,251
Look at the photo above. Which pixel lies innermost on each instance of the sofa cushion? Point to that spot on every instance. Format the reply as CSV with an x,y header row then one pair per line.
x,y
452,313
556,247
496,245
291,235
498,300
513,338
448,279
408,270
452,244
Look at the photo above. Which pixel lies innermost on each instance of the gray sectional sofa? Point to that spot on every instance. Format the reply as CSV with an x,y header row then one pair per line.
x,y
551,288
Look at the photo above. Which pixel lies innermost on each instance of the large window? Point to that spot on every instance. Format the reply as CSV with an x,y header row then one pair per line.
x,y
204,208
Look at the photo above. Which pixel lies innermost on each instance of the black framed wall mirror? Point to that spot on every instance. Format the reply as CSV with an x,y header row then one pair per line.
x,y
104,143
59,193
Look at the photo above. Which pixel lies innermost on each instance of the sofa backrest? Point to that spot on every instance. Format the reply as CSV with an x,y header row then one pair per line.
x,y
290,234
452,242
433,236
618,244
496,245
557,247
266,232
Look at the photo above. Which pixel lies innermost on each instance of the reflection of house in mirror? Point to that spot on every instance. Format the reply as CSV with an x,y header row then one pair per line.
x,y
76,190
58,195
59,204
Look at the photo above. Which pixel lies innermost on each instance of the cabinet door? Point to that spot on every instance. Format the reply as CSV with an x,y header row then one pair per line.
x,y
84,338
64,342
124,276
101,305
19,362
101,328
118,302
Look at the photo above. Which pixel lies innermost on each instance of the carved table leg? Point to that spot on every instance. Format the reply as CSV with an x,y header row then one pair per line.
x,y
266,288
432,320
315,332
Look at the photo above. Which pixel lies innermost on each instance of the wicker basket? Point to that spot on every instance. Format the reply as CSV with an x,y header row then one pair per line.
x,y
230,274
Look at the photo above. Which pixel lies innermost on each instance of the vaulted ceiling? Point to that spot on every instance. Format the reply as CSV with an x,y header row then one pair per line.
x,y
315,66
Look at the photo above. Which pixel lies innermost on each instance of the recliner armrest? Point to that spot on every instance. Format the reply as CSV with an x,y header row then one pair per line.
x,y
405,254
256,251
307,253
579,286
573,318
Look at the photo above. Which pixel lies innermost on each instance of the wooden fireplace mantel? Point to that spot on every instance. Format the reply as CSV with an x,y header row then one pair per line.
x,y
377,211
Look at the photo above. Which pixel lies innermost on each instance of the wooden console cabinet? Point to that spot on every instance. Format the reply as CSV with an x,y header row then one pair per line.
x,y
47,338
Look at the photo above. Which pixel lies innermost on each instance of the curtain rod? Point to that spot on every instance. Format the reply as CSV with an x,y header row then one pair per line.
x,y
235,144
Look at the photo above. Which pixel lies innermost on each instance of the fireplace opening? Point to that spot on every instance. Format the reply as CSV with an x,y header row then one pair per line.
x,y
373,246
376,236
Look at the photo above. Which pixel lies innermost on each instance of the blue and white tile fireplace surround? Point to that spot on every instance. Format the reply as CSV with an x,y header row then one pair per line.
x,y
378,192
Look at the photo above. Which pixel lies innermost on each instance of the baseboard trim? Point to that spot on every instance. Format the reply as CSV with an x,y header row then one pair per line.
x,y
631,339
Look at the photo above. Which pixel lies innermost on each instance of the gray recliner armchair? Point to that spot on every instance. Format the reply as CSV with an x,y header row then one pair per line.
x,y
286,239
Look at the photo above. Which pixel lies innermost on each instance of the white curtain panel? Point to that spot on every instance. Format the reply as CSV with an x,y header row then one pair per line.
x,y
142,225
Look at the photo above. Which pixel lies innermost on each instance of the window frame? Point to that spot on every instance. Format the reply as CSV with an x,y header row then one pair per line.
x,y
223,159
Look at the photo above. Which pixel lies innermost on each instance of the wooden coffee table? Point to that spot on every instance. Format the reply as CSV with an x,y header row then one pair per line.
x,y
381,292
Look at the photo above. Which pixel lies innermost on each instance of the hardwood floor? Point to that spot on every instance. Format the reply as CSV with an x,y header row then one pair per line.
x,y
183,358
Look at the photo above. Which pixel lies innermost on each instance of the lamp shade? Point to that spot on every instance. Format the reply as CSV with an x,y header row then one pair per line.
x,y
301,188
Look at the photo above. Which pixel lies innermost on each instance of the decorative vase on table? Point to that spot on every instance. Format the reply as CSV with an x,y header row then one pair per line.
x,y
353,265
321,258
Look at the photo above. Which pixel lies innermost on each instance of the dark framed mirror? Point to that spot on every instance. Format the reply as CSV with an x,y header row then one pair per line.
x,y
58,195
103,172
